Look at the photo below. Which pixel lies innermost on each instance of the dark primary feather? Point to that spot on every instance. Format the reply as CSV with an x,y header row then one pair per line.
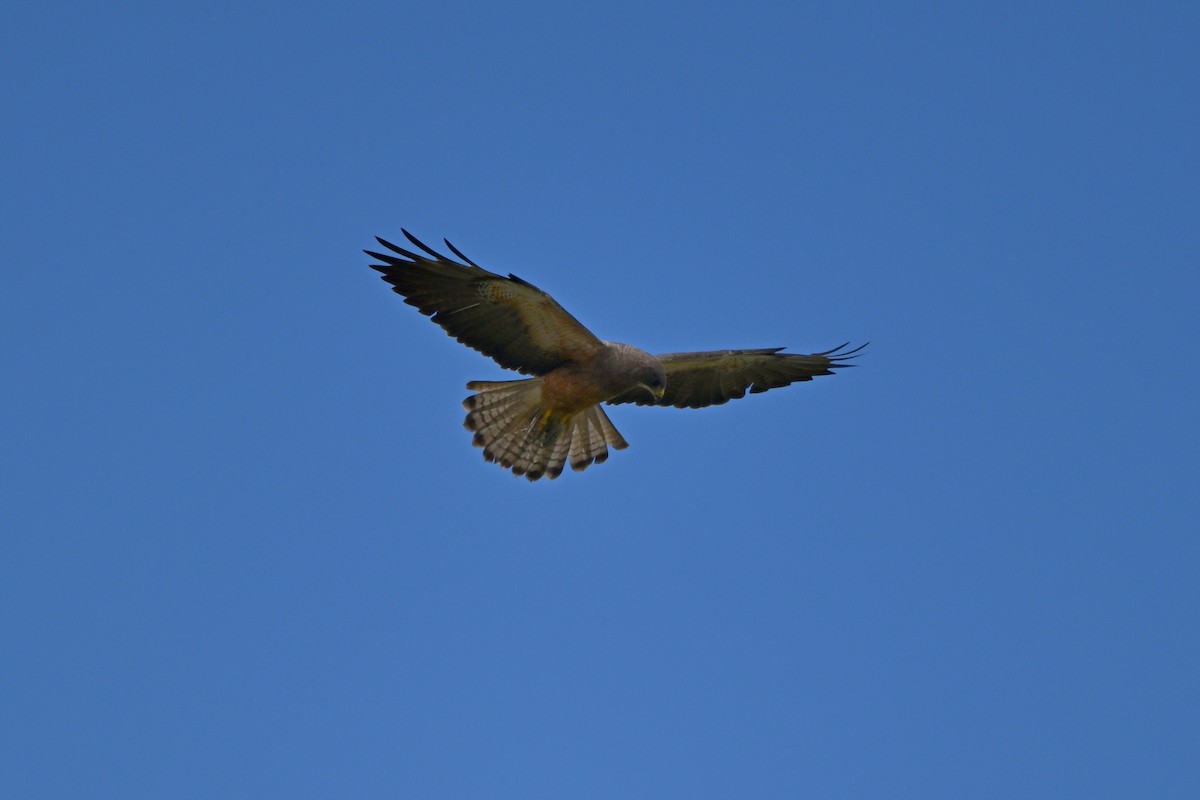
x,y
695,380
507,319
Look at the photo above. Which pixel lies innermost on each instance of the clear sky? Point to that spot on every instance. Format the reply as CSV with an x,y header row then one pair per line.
x,y
248,550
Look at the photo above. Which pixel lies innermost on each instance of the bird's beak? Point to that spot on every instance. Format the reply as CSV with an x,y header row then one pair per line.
x,y
658,393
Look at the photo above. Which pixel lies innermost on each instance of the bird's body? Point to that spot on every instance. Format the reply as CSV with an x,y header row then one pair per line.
x,y
535,426
610,371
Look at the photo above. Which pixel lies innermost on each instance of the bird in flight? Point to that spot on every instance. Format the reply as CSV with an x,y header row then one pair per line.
x,y
536,425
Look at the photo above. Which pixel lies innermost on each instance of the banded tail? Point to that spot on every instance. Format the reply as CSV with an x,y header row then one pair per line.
x,y
514,427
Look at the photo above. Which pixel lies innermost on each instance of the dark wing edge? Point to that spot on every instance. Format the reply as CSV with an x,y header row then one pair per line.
x,y
696,380
506,318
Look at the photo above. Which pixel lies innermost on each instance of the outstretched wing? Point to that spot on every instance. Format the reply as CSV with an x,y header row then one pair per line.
x,y
507,319
695,380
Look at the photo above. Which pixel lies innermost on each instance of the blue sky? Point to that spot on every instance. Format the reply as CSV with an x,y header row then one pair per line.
x,y
250,552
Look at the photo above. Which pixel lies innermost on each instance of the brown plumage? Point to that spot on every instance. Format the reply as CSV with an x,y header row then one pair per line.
x,y
537,425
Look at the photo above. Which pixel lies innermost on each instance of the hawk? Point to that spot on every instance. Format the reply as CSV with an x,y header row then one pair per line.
x,y
536,425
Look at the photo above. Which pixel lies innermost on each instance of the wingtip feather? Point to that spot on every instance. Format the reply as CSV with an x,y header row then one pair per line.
x,y
423,247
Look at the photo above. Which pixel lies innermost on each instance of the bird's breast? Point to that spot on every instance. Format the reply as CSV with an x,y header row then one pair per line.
x,y
577,387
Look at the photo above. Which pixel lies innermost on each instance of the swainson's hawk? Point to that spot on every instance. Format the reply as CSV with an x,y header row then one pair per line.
x,y
535,425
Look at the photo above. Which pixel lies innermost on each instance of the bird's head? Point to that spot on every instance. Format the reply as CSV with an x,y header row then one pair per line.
x,y
653,378
633,368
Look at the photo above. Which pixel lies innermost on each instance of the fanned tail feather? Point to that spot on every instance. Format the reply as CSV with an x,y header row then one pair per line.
x,y
590,437
516,429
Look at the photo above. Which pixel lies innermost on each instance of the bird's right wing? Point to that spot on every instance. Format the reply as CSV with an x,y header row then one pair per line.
x,y
507,319
695,380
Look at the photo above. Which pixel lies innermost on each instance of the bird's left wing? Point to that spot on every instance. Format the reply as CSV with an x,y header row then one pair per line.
x,y
695,380
507,319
